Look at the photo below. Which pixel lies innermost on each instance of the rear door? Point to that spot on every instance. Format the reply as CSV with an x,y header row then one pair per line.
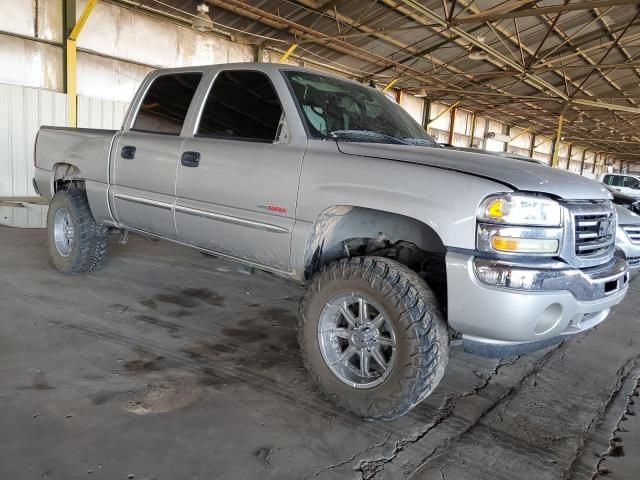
x,y
146,154
237,180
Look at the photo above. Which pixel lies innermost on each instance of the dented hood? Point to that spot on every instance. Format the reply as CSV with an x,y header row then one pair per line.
x,y
517,174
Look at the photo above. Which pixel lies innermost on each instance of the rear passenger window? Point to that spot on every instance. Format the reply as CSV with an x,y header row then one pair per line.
x,y
166,103
241,105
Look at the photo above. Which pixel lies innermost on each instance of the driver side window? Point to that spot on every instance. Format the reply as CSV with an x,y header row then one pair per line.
x,y
242,105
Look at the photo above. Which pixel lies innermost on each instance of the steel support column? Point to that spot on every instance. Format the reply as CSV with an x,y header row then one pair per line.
x,y
556,142
569,156
426,114
584,156
473,129
258,53
71,56
452,123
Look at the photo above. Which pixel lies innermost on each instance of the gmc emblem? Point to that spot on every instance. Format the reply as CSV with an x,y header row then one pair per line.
x,y
605,228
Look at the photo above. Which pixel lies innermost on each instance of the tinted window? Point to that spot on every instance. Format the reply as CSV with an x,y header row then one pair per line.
x,y
166,103
242,105
616,181
630,182
608,180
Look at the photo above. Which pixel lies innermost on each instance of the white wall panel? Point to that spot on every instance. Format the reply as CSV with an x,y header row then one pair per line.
x,y
413,105
97,113
22,111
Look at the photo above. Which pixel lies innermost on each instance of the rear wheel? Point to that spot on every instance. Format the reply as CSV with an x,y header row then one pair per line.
x,y
372,336
77,243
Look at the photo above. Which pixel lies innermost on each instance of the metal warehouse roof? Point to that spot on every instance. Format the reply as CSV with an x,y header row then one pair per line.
x,y
520,61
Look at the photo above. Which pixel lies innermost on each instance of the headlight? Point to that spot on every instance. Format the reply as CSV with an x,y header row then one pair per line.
x,y
516,209
519,224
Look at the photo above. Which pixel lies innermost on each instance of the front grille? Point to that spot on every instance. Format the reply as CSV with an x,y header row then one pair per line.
x,y
591,233
633,232
594,233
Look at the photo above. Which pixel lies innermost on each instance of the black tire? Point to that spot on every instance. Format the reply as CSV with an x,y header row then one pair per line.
x,y
89,240
422,343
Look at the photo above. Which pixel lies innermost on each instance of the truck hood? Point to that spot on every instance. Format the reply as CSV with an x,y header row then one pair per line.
x,y
517,174
627,217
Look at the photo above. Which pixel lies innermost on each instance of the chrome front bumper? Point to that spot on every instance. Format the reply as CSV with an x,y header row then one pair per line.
x,y
518,307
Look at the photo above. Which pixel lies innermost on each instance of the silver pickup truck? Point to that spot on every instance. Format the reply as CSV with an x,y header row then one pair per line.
x,y
402,245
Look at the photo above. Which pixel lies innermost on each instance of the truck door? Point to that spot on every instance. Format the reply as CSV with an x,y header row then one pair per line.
x,y
630,186
237,178
145,156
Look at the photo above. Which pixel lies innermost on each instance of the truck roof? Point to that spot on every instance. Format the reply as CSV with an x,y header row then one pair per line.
x,y
259,66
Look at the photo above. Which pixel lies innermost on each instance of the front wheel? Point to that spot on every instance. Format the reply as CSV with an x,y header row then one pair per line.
x,y
372,336
77,243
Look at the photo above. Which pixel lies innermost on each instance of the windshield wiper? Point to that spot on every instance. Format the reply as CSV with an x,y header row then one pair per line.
x,y
366,135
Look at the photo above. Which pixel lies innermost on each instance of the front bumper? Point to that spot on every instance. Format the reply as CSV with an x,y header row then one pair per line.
x,y
630,249
549,302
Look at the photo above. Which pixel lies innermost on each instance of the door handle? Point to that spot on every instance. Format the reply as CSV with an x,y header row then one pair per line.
x,y
190,159
128,152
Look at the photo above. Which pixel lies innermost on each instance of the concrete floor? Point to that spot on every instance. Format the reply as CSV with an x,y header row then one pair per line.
x,y
170,365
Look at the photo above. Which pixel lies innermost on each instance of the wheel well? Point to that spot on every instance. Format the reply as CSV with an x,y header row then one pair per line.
x,y
346,231
65,176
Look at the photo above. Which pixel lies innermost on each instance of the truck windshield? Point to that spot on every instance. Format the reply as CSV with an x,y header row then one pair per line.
x,y
333,108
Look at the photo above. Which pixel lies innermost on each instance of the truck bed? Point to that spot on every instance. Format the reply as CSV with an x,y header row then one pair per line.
x,y
85,148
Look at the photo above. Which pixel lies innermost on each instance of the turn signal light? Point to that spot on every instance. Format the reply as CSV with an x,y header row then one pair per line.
x,y
523,245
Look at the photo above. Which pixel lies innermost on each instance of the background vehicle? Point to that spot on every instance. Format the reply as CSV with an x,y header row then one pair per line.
x,y
330,183
627,184
628,235
626,201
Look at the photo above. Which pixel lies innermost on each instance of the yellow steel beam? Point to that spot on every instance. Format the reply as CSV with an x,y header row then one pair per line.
x,y
444,112
526,130
72,107
556,142
72,99
390,84
86,11
473,129
286,54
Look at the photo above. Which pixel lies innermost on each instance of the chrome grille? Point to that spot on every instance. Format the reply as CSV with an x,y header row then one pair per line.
x,y
633,232
590,233
594,233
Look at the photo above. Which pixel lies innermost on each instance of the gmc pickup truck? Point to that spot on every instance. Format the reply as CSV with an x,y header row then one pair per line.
x,y
402,245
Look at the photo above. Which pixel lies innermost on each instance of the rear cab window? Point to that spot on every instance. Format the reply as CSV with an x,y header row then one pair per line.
x,y
166,103
241,105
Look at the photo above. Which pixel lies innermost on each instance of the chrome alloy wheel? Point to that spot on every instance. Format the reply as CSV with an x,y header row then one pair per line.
x,y
63,232
356,340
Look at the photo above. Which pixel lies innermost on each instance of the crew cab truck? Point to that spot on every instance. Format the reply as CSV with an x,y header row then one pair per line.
x,y
401,244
